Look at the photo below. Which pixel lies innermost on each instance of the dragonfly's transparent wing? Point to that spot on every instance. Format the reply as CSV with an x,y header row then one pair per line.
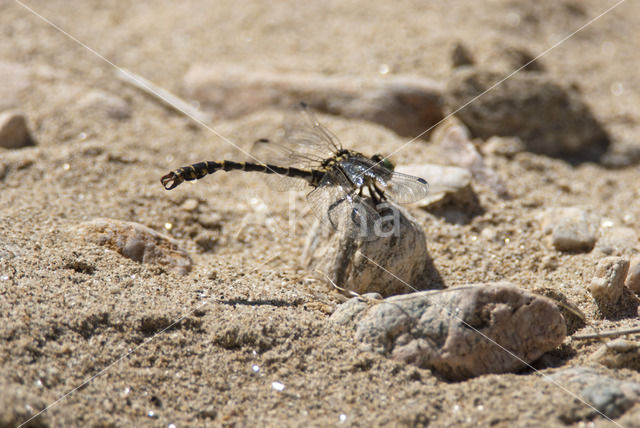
x,y
268,152
309,143
405,189
337,204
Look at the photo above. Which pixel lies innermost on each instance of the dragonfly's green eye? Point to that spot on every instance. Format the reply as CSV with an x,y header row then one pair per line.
x,y
383,161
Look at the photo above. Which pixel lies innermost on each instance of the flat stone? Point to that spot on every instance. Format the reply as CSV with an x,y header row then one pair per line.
x,y
106,104
14,132
390,264
608,282
463,332
571,229
447,184
136,242
549,118
607,395
406,104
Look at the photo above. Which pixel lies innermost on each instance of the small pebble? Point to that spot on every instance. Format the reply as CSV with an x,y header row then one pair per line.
x,y
277,386
572,229
189,205
633,276
14,132
608,282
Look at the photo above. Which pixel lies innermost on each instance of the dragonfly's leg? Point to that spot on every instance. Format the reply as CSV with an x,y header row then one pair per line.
x,y
380,192
375,194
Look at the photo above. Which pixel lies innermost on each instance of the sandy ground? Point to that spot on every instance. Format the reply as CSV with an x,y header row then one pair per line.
x,y
73,311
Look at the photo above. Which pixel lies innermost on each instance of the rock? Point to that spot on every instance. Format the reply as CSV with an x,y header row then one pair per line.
x,y
617,240
453,140
407,105
461,56
608,283
633,276
349,312
503,146
631,418
136,242
391,264
463,332
619,354
603,394
571,228
547,117
105,104
448,185
14,132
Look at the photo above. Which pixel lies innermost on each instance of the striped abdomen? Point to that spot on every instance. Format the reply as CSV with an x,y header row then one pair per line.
x,y
200,169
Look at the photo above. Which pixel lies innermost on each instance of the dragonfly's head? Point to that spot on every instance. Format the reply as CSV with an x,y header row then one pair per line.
x,y
383,161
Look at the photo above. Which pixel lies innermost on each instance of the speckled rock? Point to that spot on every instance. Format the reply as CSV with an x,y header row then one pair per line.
x,y
407,105
607,284
463,332
619,353
136,242
548,118
391,264
14,132
571,228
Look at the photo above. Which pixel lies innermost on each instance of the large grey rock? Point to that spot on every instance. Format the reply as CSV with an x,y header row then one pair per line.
x,y
548,118
136,242
407,105
397,263
462,332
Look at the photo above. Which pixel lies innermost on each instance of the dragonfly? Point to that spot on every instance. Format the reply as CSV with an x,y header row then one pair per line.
x,y
349,192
